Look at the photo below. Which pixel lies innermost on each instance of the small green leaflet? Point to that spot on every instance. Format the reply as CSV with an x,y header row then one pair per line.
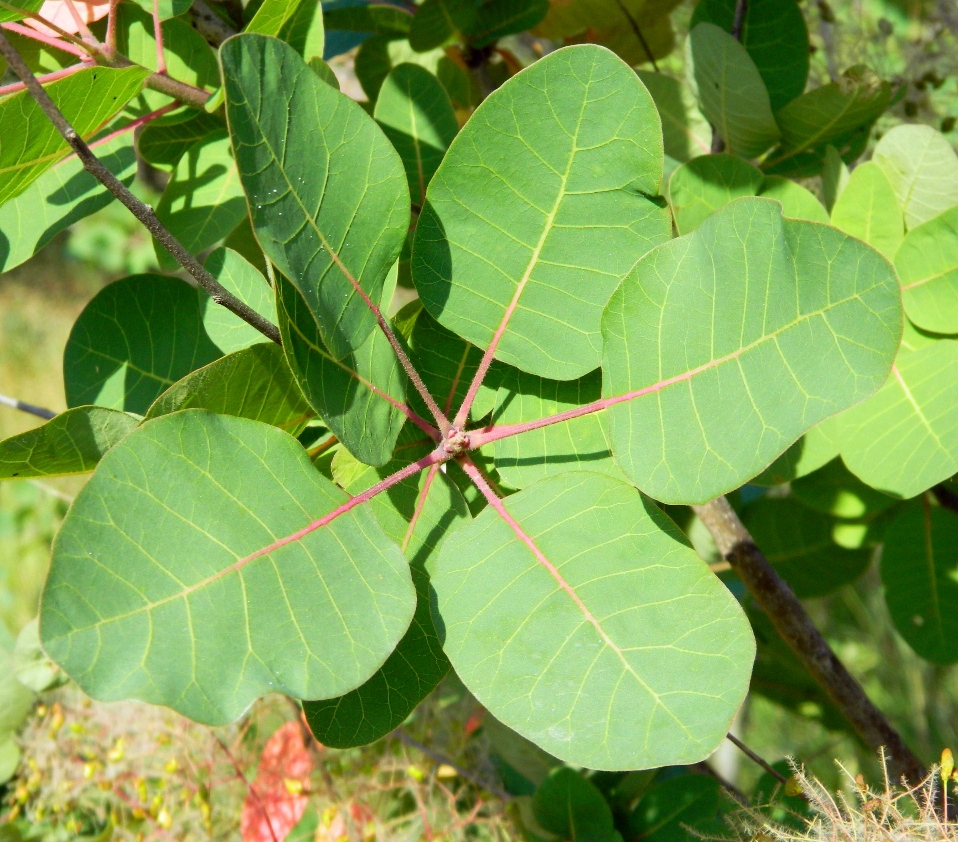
x,y
927,264
565,151
163,145
572,807
87,98
72,443
919,563
136,338
725,345
436,21
210,580
685,132
867,208
579,582
228,332
299,146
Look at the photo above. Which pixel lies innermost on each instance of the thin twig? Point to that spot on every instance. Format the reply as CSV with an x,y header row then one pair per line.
x,y
82,28
143,212
741,10
751,755
59,30
35,35
39,411
796,628
638,34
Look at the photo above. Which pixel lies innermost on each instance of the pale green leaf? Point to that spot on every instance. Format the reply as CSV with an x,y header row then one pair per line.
x,y
31,666
919,570
798,543
193,571
581,444
797,202
904,440
572,807
685,132
868,209
360,397
839,114
32,143
567,151
724,346
417,514
63,195
203,201
927,264
705,184
774,34
436,21
163,145
580,617
254,383
417,116
136,338
731,92
326,189
228,332
298,23
922,167
71,443
813,450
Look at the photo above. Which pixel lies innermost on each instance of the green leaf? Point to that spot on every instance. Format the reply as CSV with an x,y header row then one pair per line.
x,y
7,16
329,213
797,201
834,176
137,337
417,514
203,201
166,8
839,114
417,116
674,803
580,444
566,151
496,19
731,92
71,443
254,383
706,184
813,450
192,572
163,145
927,264
359,397
16,701
775,36
798,543
711,372
228,332
31,666
922,168
919,564
371,18
298,23
904,440
570,806
87,99
685,132
868,209
63,195
579,581
436,21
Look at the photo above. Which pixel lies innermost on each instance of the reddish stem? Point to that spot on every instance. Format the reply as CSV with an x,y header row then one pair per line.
x,y
48,77
49,40
111,27
135,124
420,505
158,36
82,28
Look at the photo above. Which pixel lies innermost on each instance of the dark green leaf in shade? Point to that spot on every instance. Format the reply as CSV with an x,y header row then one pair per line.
x,y
71,443
867,208
570,806
88,99
578,581
203,201
581,444
775,35
839,114
358,397
724,346
377,19
194,571
927,264
835,176
565,154
685,132
919,569
63,195
798,543
324,72
417,514
135,339
228,332
673,804
417,116
254,383
836,491
163,145
496,19
436,21
327,191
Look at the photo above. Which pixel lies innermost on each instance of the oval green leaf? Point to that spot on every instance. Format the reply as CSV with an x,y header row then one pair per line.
x,y
927,264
